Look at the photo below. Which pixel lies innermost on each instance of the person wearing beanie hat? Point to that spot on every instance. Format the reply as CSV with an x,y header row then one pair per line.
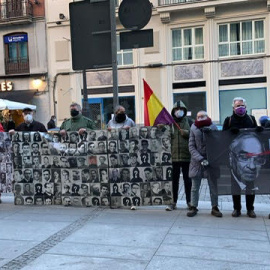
x,y
263,120
180,151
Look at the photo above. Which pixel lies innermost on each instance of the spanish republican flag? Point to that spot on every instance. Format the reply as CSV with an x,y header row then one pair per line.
x,y
154,112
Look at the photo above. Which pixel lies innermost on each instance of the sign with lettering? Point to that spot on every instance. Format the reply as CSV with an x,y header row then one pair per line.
x,y
16,38
6,86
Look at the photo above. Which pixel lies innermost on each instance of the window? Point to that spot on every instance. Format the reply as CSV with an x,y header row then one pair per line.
x,y
194,102
241,38
187,44
256,99
124,57
16,53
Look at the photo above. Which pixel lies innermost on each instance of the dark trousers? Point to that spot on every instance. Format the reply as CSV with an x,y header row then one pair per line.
x,y
249,202
236,191
177,166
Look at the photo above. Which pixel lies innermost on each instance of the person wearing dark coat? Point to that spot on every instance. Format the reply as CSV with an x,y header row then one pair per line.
x,y
29,123
51,123
239,120
10,124
180,152
198,168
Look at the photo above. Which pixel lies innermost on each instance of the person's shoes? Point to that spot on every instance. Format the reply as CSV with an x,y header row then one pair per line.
x,y
269,216
193,212
236,213
251,214
133,207
215,212
171,207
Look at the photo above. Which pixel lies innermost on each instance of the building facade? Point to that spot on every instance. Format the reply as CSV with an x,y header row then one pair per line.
x,y
23,50
205,53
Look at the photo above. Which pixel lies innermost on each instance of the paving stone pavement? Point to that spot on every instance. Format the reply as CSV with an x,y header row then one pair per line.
x,y
58,237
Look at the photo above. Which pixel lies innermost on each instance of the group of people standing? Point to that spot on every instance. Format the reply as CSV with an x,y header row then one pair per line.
x,y
191,142
188,148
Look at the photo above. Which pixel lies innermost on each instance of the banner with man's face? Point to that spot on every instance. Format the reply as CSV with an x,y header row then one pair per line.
x,y
239,162
119,168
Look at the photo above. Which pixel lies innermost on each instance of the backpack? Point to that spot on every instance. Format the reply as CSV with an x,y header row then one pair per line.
x,y
230,120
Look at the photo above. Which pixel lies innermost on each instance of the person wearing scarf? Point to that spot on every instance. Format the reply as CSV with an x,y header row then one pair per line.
x,y
199,164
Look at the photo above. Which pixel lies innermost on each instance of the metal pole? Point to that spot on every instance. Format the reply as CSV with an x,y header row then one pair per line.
x,y
114,54
86,108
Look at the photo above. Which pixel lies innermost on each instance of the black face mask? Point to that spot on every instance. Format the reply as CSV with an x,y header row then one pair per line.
x,y
74,112
121,117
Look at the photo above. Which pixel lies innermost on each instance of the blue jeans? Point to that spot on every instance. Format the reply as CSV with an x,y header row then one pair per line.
x,y
196,183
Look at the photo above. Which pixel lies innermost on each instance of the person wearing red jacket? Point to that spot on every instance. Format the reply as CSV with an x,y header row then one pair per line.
x,y
1,128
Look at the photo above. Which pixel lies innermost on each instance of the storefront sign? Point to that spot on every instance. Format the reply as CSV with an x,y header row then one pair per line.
x,y
17,38
6,86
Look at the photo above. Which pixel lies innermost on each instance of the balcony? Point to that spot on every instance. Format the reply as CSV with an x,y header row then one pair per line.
x,y
18,66
173,2
16,12
166,7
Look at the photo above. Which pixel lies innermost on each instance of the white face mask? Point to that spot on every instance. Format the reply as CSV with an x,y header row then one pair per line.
x,y
28,118
179,113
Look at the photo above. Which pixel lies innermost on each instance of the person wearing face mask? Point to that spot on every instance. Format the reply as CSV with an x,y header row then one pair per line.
x,y
198,168
120,119
180,152
51,124
238,120
77,122
29,123
10,123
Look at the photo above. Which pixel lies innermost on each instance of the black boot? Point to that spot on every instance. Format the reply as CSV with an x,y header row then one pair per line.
x,y
193,212
215,212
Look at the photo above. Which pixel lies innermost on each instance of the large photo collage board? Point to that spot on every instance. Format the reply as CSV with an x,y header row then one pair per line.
x,y
6,166
117,168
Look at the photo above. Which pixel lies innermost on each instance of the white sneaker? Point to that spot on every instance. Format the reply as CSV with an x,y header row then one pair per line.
x,y
169,208
133,207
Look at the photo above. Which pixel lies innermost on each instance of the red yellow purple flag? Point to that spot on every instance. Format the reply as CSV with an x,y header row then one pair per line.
x,y
154,112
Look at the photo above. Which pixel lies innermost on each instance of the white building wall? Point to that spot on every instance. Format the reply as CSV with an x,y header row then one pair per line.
x,y
208,14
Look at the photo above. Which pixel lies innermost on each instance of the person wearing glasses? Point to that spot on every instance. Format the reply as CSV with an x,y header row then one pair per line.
x,y
246,156
239,120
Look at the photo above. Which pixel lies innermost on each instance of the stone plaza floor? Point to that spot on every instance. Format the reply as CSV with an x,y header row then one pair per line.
x,y
58,237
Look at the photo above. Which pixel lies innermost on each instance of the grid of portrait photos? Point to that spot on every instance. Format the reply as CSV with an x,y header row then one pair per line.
x,y
117,168
6,166
140,166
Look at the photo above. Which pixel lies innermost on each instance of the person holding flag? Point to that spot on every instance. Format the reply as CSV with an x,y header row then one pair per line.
x,y
180,151
155,114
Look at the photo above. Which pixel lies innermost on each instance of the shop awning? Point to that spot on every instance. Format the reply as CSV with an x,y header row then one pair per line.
x,y
24,96
12,105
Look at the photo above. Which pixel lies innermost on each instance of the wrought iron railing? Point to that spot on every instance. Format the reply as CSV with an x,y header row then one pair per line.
x,y
12,10
173,2
18,66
